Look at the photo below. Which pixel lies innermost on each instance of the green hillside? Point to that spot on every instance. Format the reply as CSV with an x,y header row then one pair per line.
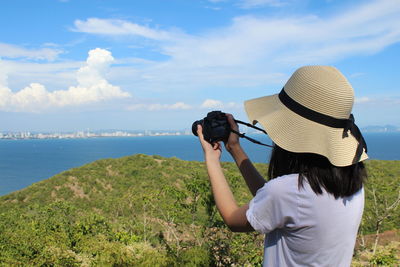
x,y
147,210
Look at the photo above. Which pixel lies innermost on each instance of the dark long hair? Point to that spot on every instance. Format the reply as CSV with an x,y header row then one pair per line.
x,y
319,172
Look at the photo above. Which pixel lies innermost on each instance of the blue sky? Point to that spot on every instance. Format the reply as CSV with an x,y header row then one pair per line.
x,y
71,65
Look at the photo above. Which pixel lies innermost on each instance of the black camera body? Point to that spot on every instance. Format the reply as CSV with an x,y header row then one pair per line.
x,y
215,127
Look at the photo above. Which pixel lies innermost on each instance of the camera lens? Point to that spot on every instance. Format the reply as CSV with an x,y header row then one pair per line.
x,y
194,126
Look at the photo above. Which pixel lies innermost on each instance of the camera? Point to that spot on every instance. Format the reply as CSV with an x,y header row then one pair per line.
x,y
215,127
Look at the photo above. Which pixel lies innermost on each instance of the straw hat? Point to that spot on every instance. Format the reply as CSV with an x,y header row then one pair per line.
x,y
312,114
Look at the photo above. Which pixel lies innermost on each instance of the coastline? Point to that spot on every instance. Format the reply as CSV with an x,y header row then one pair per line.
x,y
83,135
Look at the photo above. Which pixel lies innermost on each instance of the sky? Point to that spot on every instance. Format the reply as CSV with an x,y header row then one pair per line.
x,y
69,65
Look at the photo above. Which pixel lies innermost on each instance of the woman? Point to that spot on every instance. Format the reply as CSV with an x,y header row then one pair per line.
x,y
312,205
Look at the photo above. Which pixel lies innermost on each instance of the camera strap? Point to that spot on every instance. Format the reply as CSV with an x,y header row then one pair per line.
x,y
249,138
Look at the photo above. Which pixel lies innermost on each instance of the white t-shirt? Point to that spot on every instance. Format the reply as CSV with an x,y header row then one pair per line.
x,y
303,228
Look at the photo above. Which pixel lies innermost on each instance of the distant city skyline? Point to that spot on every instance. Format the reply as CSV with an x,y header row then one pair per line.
x,y
139,133
67,65
88,134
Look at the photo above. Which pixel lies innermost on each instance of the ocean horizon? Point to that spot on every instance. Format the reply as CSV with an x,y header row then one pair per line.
x,y
26,161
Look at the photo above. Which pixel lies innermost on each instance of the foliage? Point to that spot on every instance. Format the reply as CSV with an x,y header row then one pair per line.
x,y
147,211
388,255
384,181
384,257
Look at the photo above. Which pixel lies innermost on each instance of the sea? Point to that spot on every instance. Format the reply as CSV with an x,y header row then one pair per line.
x,y
24,162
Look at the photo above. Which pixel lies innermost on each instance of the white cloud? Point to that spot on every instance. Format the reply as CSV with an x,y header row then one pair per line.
x,y
13,51
180,105
211,103
3,74
252,51
216,104
247,4
255,50
363,99
206,104
119,27
233,105
156,107
279,41
92,87
377,101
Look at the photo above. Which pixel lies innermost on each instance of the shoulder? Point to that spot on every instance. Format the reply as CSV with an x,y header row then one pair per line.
x,y
275,204
281,190
282,184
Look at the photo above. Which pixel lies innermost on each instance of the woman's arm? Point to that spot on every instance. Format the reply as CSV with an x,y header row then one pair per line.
x,y
253,178
233,215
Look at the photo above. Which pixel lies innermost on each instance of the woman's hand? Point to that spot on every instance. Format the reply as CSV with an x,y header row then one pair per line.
x,y
234,216
211,152
233,140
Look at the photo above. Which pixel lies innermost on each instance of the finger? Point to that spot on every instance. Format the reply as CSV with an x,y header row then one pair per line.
x,y
232,122
200,131
203,142
216,146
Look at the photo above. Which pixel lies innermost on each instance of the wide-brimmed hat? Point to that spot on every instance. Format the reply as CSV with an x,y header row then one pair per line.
x,y
312,114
